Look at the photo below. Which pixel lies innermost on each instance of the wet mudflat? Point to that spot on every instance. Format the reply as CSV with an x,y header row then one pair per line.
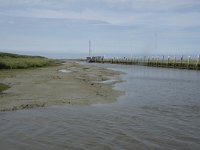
x,y
70,83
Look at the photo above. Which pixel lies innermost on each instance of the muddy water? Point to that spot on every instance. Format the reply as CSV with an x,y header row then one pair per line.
x,y
160,110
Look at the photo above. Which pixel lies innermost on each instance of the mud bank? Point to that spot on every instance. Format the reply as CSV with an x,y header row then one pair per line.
x,y
79,85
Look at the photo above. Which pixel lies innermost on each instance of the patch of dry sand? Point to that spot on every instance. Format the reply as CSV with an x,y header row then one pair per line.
x,y
81,85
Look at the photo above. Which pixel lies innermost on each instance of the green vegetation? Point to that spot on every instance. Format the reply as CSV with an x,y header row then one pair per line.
x,y
15,61
3,87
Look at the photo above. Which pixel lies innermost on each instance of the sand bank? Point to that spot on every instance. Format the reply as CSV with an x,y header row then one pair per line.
x,y
70,84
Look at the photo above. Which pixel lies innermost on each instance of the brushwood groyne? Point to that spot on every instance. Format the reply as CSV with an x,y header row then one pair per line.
x,y
178,62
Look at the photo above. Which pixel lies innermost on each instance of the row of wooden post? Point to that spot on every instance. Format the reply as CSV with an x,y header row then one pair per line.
x,y
156,61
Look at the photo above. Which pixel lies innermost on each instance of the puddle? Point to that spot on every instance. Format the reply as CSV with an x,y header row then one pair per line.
x,y
64,71
109,81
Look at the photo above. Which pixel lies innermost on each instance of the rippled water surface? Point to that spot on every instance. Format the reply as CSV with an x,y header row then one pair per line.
x,y
160,110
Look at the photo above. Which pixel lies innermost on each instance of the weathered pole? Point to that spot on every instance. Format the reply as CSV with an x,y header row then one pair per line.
x,y
163,58
174,61
148,61
90,50
181,61
168,61
189,62
157,60
198,60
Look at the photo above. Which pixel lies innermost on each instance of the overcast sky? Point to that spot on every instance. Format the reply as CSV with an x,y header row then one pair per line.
x,y
114,26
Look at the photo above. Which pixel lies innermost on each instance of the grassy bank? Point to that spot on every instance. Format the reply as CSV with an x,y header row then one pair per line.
x,y
3,87
15,61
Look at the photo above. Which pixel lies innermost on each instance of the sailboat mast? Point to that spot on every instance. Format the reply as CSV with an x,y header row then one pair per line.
x,y
90,50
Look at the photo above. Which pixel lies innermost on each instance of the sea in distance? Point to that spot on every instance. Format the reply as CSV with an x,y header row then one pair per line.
x,y
160,110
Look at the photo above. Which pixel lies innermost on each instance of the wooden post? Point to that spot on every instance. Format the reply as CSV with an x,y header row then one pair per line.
x,y
148,61
188,62
174,61
144,61
152,61
181,61
131,59
163,58
157,60
198,60
168,61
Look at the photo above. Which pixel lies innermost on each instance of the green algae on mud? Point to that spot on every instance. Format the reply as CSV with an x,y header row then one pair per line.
x,y
3,87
